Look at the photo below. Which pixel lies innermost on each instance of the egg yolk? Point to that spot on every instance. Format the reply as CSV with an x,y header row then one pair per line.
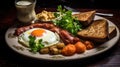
x,y
38,32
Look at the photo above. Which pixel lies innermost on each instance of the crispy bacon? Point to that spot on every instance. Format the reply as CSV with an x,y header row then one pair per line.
x,y
64,34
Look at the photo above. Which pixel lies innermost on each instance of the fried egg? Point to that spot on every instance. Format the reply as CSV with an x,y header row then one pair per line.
x,y
48,37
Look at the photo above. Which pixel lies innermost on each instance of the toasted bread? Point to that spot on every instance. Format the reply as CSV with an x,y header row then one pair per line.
x,y
85,17
97,31
112,31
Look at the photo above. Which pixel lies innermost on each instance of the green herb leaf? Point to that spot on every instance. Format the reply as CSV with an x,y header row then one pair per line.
x,y
65,20
40,45
35,46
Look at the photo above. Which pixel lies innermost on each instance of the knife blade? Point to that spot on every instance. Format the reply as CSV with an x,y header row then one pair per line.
x,y
74,10
69,8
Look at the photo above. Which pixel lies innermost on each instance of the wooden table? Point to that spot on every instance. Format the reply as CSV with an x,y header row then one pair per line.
x,y
9,58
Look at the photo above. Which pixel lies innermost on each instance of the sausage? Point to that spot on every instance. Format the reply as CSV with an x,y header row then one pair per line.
x,y
20,30
64,34
68,38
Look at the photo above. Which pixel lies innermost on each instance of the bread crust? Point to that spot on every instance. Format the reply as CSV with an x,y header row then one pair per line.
x,y
97,31
85,18
112,32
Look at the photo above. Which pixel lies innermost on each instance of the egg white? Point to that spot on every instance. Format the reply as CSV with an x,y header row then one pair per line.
x,y
49,38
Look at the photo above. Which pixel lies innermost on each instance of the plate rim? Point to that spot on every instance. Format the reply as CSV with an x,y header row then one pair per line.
x,y
59,59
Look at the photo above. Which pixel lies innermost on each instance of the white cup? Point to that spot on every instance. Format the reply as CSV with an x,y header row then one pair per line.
x,y
25,10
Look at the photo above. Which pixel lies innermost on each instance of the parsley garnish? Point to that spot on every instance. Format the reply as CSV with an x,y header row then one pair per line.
x,y
35,46
65,20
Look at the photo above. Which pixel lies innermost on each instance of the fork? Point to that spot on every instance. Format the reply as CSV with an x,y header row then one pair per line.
x,y
102,14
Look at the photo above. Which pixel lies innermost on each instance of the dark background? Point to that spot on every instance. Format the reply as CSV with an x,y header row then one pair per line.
x,y
101,4
8,58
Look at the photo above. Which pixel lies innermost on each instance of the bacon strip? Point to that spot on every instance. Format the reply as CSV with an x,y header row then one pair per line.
x,y
65,35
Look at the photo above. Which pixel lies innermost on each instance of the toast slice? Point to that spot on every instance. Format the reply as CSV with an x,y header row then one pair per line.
x,y
112,31
85,17
97,31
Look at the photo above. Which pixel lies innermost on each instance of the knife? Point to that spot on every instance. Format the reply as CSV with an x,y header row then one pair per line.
x,y
74,10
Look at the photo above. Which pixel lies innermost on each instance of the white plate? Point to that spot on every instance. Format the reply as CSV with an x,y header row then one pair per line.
x,y
13,42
